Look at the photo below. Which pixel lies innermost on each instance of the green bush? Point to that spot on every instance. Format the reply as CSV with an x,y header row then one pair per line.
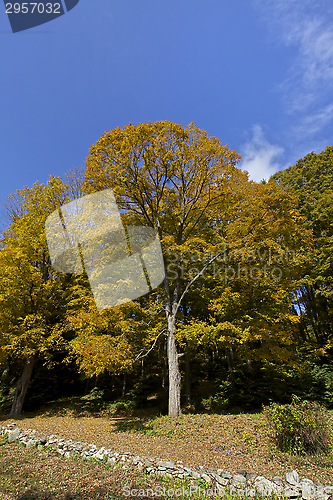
x,y
122,406
93,401
300,427
313,382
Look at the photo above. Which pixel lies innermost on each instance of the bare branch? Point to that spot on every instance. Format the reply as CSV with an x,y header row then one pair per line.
x,y
195,279
149,350
156,314
204,269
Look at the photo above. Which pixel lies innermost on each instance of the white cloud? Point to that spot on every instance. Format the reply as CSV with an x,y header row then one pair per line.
x,y
259,156
308,26
314,123
311,77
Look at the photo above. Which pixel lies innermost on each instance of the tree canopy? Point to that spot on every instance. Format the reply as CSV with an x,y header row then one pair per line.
x,y
311,179
248,266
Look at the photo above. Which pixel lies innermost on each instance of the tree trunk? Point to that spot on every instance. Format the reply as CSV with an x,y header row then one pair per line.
x,y
123,392
227,357
231,358
165,365
249,366
21,388
174,373
188,377
210,364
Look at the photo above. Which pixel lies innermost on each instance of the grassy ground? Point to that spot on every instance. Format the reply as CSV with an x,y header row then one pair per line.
x,y
219,441
32,474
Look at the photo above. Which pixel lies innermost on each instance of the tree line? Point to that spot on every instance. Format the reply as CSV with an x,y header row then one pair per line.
x,y
248,272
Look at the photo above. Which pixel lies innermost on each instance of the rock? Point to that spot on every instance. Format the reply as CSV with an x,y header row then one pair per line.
x,y
292,478
195,474
165,463
278,480
222,471
308,491
264,487
328,490
206,478
220,480
13,435
150,470
238,481
101,454
291,492
225,475
251,475
241,472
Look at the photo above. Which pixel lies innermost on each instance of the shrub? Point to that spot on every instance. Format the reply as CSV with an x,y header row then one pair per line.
x,y
214,403
300,427
6,399
93,401
120,406
314,382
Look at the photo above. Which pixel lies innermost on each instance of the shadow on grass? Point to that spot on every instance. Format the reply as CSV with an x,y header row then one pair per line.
x,y
123,418
133,423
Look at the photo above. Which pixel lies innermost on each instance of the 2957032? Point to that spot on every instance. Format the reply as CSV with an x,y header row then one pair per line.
x,y
31,8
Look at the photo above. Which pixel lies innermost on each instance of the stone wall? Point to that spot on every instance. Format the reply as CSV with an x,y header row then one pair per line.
x,y
240,482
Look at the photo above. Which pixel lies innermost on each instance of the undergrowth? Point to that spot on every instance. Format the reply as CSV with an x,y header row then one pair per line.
x,y
300,427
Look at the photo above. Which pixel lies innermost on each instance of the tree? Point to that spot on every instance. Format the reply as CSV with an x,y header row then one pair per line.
x,y
32,295
110,340
311,179
166,177
246,296
184,184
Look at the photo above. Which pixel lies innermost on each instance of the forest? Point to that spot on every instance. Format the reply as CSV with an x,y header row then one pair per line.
x,y
243,318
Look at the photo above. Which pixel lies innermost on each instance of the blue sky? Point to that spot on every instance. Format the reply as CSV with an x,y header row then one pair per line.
x,y
256,74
